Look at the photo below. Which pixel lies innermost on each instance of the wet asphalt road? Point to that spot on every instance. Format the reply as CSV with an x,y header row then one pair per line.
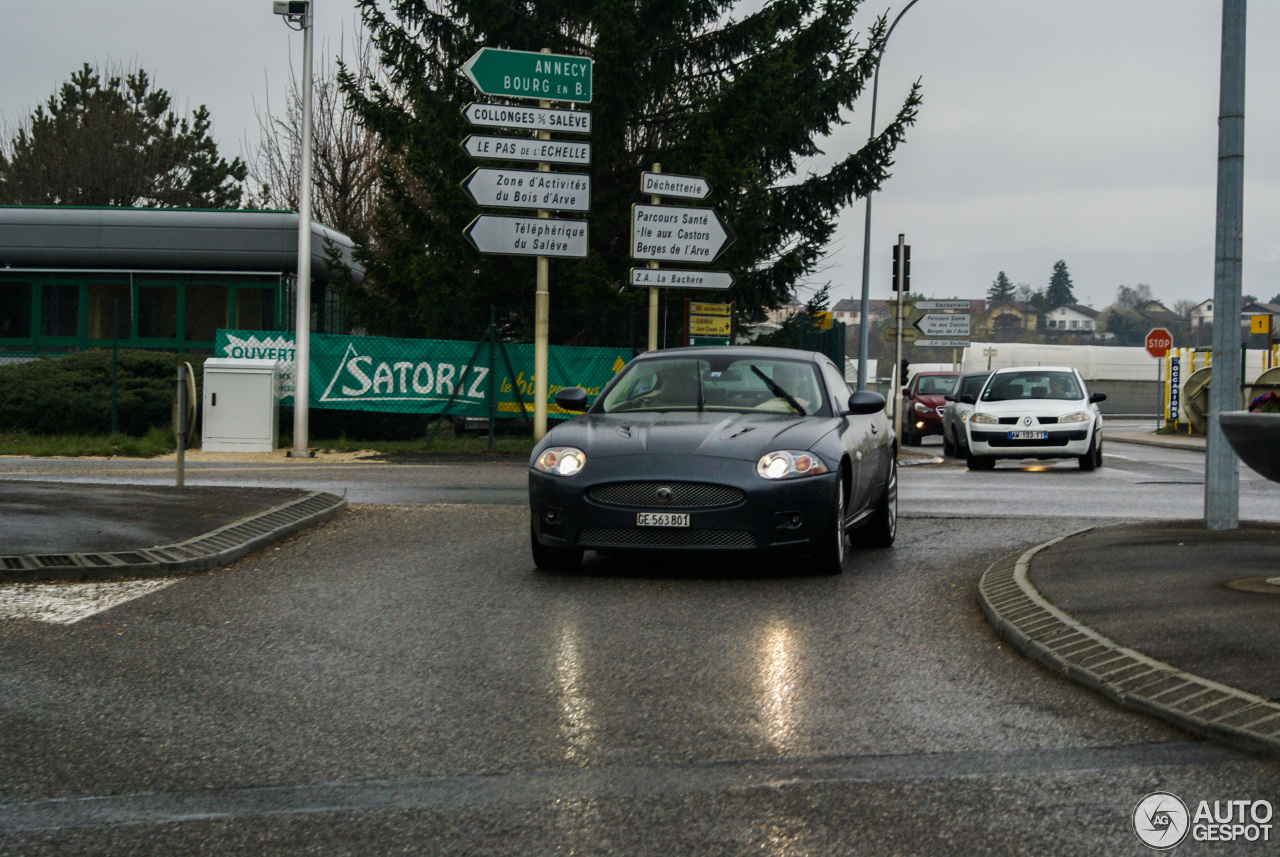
x,y
401,680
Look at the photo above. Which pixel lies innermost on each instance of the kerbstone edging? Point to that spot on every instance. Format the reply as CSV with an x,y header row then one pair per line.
x,y
217,547
1127,677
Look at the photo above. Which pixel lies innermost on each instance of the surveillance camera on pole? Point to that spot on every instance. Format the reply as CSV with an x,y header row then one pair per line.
x,y
299,12
294,10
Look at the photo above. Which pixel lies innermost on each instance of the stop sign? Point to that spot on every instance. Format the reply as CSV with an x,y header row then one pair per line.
x,y
1159,341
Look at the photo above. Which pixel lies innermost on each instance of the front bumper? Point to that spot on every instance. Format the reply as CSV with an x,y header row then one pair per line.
x,y
996,441
597,509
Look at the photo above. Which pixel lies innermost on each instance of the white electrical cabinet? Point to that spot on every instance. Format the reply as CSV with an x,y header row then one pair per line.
x,y
241,409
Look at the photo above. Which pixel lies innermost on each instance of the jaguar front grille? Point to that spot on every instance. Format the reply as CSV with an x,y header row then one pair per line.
x,y
665,495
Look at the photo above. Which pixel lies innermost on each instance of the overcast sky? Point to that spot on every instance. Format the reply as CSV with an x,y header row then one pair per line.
x,y
1082,130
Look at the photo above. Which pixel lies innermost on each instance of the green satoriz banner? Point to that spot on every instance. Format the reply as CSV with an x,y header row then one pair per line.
x,y
375,373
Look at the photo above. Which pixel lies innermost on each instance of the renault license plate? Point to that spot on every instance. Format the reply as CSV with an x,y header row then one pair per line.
x,y
1028,435
662,519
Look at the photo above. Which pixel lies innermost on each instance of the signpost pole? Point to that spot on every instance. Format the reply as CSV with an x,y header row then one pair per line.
x,y
542,318
653,292
897,362
1221,467
542,314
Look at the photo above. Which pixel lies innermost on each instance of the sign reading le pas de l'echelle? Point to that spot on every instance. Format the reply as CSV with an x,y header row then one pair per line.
x,y
375,373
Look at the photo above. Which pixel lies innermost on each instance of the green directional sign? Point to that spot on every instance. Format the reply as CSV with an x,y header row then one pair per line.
x,y
526,74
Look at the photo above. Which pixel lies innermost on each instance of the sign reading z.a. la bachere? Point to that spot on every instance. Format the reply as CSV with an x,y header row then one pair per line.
x,y
374,373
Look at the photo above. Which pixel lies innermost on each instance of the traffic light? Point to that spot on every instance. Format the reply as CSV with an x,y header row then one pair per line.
x,y
903,381
906,267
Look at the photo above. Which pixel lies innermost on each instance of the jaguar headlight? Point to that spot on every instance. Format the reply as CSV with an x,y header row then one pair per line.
x,y
1077,417
561,461
983,419
789,464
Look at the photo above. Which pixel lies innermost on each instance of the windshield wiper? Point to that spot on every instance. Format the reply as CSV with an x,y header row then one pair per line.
x,y
778,391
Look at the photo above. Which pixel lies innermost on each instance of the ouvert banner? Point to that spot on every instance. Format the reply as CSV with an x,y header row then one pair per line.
x,y
423,376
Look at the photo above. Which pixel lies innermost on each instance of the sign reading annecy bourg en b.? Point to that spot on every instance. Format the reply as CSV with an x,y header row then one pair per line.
x,y
375,373
528,74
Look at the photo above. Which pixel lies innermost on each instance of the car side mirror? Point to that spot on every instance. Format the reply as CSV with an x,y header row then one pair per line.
x,y
1097,397
906,390
949,398
969,399
572,399
865,402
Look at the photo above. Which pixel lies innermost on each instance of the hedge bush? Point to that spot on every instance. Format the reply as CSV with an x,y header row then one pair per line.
x,y
71,394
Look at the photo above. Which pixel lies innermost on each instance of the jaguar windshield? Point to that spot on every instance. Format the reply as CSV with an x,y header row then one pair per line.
x,y
688,384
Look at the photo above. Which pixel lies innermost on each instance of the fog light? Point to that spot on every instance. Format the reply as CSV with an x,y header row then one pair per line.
x,y
920,424
788,520
551,515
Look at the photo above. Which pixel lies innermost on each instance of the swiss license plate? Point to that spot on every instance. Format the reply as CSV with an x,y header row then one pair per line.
x,y
662,519
1028,435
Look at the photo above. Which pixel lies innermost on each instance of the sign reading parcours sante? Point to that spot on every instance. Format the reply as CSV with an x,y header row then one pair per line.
x,y
528,74
374,373
677,233
670,278
528,118
528,236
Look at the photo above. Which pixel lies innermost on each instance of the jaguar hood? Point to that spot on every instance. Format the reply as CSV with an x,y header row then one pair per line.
x,y
744,436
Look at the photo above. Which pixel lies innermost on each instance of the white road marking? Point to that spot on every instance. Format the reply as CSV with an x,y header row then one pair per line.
x,y
67,603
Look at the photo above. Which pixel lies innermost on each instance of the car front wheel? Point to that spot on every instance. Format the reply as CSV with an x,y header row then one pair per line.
x,y
882,527
828,558
1092,459
979,462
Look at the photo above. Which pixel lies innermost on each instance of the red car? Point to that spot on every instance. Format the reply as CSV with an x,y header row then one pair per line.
x,y
922,404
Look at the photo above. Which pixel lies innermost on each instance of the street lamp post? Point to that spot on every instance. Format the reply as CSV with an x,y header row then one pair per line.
x,y
300,12
866,237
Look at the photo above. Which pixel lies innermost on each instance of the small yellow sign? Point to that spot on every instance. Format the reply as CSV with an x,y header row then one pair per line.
x,y
708,325
708,309
1259,324
822,320
909,334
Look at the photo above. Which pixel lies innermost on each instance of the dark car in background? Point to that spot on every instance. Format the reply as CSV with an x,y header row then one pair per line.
x,y
955,413
732,451
922,401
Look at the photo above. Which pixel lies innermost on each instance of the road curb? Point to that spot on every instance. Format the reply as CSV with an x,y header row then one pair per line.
x,y
1127,677
217,547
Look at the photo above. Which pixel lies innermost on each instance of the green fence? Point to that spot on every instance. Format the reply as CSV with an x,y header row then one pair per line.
x,y
427,376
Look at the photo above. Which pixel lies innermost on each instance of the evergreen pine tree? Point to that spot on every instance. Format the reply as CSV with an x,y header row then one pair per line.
x,y
742,101
115,142
1001,290
1059,292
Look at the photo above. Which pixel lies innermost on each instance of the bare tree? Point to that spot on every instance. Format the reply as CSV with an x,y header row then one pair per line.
x,y
345,155
1132,298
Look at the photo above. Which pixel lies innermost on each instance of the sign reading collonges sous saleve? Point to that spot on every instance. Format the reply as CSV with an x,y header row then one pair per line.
x,y
375,373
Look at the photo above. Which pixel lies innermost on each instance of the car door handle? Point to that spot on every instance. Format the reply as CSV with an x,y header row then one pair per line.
x,y
875,429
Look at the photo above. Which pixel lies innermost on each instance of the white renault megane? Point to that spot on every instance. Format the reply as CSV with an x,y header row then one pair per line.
x,y
1034,412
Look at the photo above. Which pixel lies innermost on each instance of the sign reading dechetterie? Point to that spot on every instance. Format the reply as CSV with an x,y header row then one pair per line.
x,y
374,373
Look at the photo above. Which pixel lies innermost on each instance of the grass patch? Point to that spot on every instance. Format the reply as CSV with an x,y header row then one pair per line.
x,y
159,441
155,442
